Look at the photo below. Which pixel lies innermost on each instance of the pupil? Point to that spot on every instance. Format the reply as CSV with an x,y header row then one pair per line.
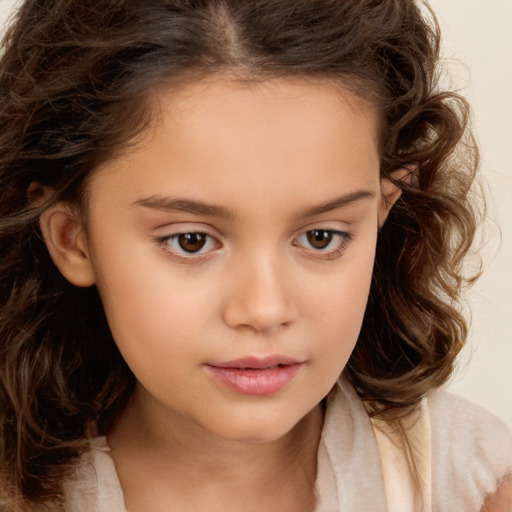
x,y
319,239
192,242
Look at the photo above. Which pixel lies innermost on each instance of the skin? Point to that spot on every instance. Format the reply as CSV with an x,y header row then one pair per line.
x,y
280,159
501,500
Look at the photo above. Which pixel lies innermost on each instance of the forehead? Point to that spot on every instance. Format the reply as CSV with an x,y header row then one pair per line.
x,y
249,105
219,135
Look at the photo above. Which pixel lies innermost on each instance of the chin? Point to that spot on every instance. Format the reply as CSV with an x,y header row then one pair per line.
x,y
263,428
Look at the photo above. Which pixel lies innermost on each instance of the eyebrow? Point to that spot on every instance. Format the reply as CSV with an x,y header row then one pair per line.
x,y
338,202
187,206
212,210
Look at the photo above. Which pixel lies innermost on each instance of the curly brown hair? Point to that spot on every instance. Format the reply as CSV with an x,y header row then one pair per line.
x,y
75,83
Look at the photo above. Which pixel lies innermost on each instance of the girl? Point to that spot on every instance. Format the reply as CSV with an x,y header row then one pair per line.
x,y
211,210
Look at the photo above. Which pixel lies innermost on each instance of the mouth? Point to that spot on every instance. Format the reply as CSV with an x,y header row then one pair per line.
x,y
254,375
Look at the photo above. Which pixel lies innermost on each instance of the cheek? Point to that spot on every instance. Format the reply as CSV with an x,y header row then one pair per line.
x,y
338,307
157,333
153,313
343,294
147,311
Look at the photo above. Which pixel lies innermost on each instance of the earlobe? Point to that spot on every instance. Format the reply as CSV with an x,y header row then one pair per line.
x,y
391,192
67,244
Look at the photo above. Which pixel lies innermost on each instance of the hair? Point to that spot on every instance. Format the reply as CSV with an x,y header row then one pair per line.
x,y
76,83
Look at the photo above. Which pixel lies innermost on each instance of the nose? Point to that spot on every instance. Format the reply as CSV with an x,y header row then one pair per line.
x,y
259,296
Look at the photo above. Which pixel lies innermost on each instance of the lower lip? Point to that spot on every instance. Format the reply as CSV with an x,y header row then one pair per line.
x,y
260,382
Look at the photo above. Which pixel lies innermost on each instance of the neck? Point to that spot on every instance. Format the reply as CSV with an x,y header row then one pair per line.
x,y
189,456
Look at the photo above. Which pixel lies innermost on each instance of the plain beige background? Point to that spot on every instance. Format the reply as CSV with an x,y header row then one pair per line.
x,y
477,48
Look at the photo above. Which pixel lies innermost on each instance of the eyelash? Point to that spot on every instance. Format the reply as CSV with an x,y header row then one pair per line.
x,y
343,240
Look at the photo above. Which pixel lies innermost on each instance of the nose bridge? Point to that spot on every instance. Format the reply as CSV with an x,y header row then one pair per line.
x,y
260,296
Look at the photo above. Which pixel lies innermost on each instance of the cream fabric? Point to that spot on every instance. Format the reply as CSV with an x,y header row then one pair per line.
x,y
461,453
471,453
396,464
95,487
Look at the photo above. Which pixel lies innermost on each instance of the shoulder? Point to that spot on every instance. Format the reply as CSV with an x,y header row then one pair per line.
x,y
471,450
458,423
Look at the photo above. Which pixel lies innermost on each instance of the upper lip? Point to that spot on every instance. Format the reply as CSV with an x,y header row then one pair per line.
x,y
257,363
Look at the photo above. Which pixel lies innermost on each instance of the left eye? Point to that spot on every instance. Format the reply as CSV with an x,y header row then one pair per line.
x,y
189,244
322,239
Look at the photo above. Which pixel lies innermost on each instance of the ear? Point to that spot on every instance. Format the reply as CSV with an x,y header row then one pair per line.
x,y
67,243
391,192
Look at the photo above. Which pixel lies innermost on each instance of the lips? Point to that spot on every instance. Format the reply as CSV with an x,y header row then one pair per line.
x,y
254,375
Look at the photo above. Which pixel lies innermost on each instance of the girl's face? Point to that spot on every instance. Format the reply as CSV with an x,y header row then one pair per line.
x,y
233,251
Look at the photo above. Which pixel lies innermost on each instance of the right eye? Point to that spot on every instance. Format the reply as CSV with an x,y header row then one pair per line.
x,y
328,242
188,244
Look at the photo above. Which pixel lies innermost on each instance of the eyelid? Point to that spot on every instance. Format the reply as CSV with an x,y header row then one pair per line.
x,y
177,228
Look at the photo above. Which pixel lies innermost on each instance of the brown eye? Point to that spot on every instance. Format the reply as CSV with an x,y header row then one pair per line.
x,y
190,245
319,238
192,242
326,244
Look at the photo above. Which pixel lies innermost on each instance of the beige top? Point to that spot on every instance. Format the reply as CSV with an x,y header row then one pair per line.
x,y
460,451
